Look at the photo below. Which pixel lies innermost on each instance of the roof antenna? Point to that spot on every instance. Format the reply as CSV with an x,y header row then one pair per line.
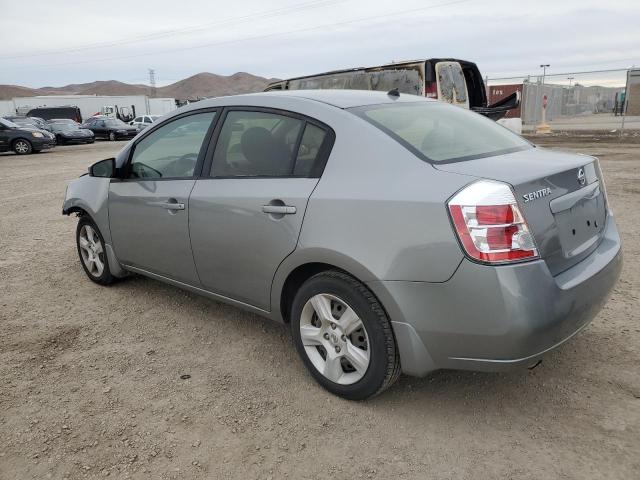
x,y
394,92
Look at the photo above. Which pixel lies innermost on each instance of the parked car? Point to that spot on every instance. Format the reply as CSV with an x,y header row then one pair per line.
x,y
23,139
29,122
449,80
110,128
66,121
391,232
47,113
66,133
143,121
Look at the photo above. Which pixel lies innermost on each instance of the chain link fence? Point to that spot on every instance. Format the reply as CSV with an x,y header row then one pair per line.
x,y
607,100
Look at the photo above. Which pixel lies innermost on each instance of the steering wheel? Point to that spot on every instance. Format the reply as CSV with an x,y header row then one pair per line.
x,y
183,166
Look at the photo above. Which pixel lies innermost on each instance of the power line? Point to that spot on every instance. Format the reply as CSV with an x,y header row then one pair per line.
x,y
261,37
517,77
186,30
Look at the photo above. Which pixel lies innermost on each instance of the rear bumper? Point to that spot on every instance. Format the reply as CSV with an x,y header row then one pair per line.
x,y
496,318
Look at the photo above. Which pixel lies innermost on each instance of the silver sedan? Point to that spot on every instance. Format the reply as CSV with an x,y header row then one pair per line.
x,y
391,232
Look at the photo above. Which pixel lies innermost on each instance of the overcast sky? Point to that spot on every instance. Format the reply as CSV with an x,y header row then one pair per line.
x,y
51,43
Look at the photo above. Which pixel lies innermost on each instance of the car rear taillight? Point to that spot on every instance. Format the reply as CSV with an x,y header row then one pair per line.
x,y
490,225
431,90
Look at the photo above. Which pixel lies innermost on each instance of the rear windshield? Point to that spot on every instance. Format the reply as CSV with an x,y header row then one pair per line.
x,y
442,133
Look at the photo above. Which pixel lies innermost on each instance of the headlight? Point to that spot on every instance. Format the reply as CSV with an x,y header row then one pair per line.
x,y
37,134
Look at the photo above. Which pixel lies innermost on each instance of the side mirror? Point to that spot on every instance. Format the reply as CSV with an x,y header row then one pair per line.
x,y
103,168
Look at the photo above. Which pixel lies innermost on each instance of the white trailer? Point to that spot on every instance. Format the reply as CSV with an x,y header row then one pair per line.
x,y
7,108
90,105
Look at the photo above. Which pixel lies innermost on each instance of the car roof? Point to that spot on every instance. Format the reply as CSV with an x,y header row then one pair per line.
x,y
336,98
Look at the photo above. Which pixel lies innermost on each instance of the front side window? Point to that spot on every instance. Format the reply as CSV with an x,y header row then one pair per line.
x,y
115,123
172,150
438,132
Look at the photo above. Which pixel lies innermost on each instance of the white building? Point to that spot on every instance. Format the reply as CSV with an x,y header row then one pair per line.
x,y
90,105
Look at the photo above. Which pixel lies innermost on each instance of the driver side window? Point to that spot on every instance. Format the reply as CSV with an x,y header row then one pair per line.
x,y
172,150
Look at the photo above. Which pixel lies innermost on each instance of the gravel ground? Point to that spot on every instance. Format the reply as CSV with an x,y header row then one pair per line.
x,y
90,377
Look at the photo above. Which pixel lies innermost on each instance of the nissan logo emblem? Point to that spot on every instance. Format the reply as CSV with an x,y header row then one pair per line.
x,y
582,179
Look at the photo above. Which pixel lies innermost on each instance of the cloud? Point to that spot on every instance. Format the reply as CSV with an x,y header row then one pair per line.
x,y
505,38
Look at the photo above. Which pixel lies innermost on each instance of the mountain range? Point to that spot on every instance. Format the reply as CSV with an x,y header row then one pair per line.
x,y
197,86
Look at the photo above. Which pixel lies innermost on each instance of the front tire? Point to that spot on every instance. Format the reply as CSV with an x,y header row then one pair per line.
x,y
92,252
344,336
22,147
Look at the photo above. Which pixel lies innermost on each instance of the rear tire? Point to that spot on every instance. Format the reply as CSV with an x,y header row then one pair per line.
x,y
92,252
22,146
354,357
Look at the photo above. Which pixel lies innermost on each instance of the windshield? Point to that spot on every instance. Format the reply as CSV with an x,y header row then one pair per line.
x,y
8,123
438,132
65,126
24,122
115,123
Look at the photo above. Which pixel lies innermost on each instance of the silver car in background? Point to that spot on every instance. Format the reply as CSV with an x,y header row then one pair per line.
x,y
391,232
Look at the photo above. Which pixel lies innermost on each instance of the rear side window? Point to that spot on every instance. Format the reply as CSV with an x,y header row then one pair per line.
x,y
309,150
442,133
172,150
256,144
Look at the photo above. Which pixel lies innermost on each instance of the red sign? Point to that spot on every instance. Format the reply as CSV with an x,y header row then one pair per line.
x,y
544,101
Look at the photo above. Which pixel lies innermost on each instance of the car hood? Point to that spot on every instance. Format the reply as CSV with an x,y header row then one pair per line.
x,y
29,129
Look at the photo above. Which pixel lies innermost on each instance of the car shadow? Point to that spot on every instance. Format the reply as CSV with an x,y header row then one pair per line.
x,y
449,390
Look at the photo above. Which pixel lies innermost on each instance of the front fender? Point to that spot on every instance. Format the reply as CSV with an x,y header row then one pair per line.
x,y
90,194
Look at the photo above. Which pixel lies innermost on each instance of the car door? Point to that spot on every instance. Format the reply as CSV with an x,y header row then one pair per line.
x,y
246,210
99,129
149,208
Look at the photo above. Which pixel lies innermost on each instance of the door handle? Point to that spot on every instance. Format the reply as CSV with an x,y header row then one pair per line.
x,y
279,209
173,206
167,205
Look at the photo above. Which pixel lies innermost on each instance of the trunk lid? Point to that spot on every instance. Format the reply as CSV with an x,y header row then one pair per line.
x,y
560,194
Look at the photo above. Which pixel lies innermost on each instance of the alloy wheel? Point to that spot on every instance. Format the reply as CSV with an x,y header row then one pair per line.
x,y
334,339
21,146
91,251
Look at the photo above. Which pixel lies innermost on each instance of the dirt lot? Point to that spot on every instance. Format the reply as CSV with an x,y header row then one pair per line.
x,y
90,377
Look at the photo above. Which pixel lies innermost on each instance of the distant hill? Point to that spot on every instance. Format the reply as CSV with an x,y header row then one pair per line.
x,y
197,86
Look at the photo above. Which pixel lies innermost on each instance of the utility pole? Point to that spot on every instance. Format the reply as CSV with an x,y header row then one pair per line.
x,y
542,127
152,82
544,71
570,80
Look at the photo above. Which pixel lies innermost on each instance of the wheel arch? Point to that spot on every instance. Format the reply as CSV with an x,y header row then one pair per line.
x,y
13,142
302,265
